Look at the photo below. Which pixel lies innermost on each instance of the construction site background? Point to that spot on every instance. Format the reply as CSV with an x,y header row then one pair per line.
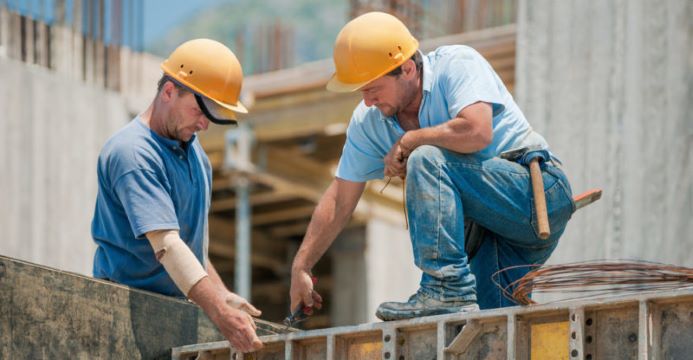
x,y
608,83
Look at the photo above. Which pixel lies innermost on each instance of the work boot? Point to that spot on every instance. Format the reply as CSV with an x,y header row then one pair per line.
x,y
421,304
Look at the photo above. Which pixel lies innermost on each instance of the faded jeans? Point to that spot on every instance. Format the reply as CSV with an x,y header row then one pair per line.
x,y
444,188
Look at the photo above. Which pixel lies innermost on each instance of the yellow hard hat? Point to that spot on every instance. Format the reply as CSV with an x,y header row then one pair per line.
x,y
369,47
211,71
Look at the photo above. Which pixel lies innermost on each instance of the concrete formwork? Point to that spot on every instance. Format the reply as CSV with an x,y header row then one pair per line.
x,y
610,85
656,325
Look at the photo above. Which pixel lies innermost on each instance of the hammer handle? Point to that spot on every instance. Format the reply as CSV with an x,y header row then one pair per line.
x,y
539,199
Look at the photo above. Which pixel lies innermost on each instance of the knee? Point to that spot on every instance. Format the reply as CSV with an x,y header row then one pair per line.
x,y
425,156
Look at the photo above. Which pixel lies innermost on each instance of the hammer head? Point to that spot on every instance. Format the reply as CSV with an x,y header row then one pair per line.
x,y
514,154
527,154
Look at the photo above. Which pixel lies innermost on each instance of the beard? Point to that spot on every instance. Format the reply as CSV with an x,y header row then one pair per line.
x,y
388,110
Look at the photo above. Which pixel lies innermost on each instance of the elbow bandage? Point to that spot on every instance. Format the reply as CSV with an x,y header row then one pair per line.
x,y
177,258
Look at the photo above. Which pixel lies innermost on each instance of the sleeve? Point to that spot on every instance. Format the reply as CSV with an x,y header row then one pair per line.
x,y
468,80
146,202
360,160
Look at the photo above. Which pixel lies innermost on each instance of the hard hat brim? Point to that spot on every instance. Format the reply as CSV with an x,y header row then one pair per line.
x,y
215,112
238,107
335,85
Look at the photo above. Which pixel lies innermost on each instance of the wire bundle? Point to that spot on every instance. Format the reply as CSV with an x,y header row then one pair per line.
x,y
595,278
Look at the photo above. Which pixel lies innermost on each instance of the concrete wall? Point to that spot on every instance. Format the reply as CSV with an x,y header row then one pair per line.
x,y
371,264
392,275
610,85
51,131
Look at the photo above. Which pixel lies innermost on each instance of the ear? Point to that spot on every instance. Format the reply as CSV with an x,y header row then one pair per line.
x,y
167,91
409,69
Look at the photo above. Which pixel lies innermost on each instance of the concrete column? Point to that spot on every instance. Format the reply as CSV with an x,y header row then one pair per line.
x,y
608,84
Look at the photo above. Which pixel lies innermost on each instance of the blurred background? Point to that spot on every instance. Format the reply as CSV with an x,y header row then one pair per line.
x,y
608,83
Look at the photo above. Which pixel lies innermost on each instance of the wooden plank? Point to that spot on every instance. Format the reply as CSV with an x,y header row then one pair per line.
x,y
298,213
223,231
283,231
255,199
262,261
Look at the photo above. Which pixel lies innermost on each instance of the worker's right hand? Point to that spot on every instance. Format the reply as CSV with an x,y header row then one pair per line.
x,y
302,291
239,328
396,161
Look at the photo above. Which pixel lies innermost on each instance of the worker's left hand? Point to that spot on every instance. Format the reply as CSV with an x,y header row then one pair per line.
x,y
396,161
240,303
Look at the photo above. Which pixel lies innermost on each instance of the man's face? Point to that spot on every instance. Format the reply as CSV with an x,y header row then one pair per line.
x,y
185,117
385,94
391,94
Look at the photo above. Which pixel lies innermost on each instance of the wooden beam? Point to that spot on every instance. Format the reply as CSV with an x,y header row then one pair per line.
x,y
227,251
255,199
225,230
297,213
283,231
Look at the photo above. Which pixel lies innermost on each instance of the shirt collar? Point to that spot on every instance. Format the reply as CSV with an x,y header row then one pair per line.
x,y
427,80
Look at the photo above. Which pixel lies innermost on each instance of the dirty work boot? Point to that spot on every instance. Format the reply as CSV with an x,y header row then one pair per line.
x,y
421,304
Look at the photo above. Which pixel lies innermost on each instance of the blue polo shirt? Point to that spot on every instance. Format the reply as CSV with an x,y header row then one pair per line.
x,y
146,183
454,77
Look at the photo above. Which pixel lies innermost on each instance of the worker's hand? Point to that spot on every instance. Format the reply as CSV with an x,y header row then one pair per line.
x,y
302,291
396,161
239,328
240,303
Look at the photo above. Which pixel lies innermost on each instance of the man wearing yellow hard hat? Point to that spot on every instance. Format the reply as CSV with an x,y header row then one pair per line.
x,y
440,121
150,223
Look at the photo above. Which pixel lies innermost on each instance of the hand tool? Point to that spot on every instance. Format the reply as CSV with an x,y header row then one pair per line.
x,y
474,233
532,155
301,312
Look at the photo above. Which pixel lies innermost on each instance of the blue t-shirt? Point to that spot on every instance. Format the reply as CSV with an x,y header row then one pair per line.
x,y
454,77
146,183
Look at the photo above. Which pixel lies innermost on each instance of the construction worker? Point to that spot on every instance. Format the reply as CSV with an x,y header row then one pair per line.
x,y
155,184
439,121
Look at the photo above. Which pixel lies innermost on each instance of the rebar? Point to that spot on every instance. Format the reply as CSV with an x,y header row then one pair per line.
x,y
593,278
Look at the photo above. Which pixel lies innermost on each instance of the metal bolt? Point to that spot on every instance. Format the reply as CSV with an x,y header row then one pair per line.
x,y
589,339
572,335
387,355
632,337
387,338
574,353
589,322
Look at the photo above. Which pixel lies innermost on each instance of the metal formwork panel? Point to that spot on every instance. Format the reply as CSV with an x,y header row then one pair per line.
x,y
645,326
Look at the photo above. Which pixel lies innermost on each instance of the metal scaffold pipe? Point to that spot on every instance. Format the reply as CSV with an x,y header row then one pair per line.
x,y
237,161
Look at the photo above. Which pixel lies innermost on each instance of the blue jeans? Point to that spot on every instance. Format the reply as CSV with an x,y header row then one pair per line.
x,y
444,188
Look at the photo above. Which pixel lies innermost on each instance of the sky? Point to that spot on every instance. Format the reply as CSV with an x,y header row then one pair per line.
x,y
155,25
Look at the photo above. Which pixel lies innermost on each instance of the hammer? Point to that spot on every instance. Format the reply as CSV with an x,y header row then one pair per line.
x,y
533,154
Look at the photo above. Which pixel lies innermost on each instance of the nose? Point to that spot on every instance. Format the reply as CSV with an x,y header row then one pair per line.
x,y
369,100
